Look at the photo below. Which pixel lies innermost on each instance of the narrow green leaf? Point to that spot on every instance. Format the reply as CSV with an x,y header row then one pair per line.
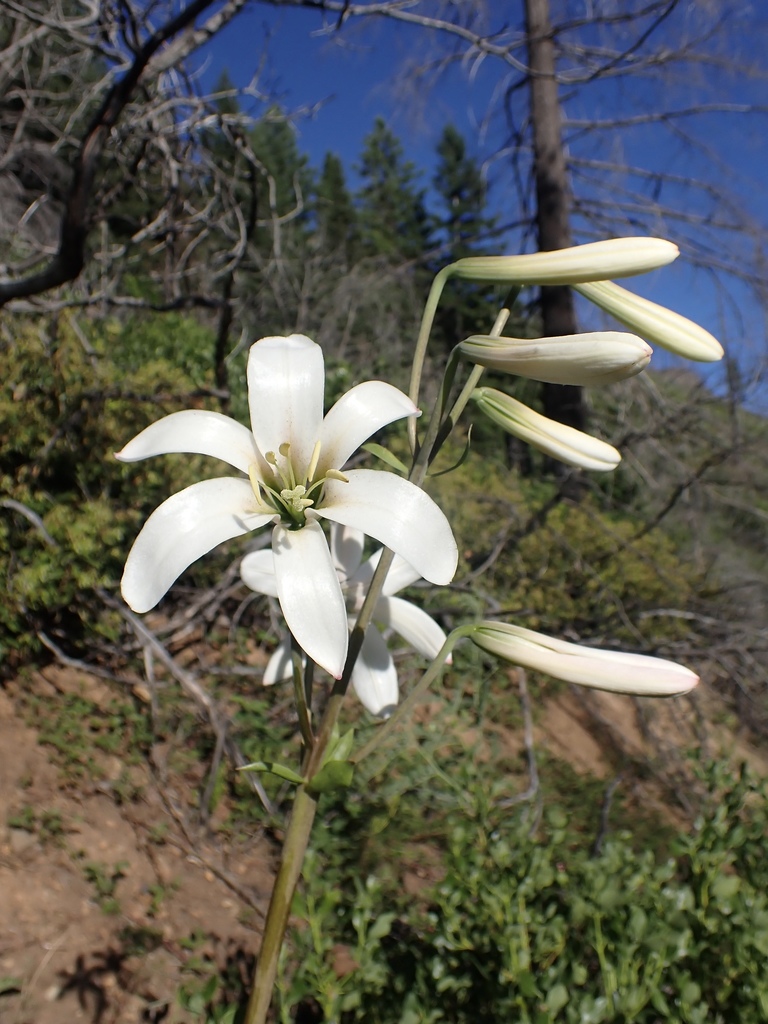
x,y
341,746
209,989
333,775
274,769
462,458
386,457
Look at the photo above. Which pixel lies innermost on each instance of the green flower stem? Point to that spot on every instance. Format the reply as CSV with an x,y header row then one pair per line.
x,y
294,849
302,691
303,815
305,806
449,422
427,451
427,319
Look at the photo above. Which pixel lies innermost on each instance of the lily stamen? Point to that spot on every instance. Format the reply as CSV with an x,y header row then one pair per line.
x,y
294,502
313,461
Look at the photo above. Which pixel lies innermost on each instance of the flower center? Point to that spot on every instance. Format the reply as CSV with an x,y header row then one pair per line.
x,y
289,494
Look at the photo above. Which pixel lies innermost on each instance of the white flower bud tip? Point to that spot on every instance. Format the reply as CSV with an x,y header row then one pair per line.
x,y
656,323
601,670
567,444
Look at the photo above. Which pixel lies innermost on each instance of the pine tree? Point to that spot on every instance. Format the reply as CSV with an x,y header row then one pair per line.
x,y
335,212
393,218
463,222
463,226
285,184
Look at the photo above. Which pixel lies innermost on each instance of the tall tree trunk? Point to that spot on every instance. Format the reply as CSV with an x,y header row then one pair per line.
x,y
561,402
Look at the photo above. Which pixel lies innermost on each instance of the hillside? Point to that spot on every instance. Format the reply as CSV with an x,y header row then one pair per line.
x,y
137,863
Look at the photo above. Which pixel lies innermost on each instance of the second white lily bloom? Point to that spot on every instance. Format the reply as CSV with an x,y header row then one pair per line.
x,y
374,677
292,457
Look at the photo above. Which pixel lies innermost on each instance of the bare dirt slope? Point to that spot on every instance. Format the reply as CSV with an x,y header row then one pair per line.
x,y
95,897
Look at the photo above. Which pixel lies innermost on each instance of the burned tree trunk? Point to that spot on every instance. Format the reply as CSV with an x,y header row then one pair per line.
x,y
561,402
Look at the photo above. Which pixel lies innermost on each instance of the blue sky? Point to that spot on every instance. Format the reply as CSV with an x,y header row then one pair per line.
x,y
358,74
353,75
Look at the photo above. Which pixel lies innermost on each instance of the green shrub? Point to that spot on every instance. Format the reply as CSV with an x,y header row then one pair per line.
x,y
534,928
70,510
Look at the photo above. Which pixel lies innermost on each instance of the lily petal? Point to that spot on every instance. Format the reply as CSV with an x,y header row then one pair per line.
x,y
186,526
412,623
194,431
280,665
286,381
310,595
399,515
374,676
359,413
257,571
346,549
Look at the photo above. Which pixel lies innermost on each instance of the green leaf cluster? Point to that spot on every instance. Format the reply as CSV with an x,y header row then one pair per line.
x,y
534,927
558,566
71,394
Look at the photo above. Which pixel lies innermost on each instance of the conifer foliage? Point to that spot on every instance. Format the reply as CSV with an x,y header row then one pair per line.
x,y
465,228
336,217
394,218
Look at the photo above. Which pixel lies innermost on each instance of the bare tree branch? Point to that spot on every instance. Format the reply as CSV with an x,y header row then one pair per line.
x,y
136,64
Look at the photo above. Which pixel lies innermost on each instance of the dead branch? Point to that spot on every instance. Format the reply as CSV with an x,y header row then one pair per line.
x,y
70,256
190,684
32,517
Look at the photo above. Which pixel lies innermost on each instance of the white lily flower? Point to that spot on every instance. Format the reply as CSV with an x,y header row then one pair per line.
x,y
601,357
656,323
293,458
601,670
595,261
374,677
558,440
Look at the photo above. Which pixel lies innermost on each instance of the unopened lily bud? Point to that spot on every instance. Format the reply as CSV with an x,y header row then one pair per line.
x,y
595,261
601,670
584,359
555,439
656,323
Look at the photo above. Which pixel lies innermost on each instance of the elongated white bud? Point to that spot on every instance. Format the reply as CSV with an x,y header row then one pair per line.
x,y
600,670
556,439
656,323
584,359
595,261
